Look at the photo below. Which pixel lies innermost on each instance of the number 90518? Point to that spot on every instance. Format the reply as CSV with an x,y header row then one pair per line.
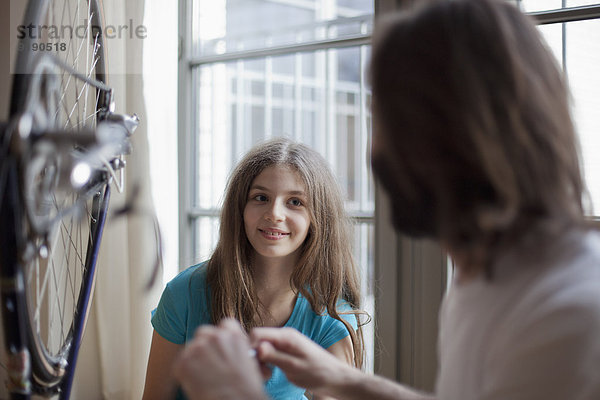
x,y
49,46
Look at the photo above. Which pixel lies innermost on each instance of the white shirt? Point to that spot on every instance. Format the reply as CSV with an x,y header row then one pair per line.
x,y
532,332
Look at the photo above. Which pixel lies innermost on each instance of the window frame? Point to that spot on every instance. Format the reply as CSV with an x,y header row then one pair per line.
x,y
189,62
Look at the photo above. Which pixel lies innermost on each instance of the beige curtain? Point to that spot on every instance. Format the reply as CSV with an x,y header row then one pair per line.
x,y
115,348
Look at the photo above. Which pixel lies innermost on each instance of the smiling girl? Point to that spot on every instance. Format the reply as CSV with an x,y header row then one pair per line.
x,y
283,259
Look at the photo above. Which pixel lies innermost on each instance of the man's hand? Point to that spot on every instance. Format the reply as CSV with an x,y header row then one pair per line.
x,y
308,365
304,362
217,364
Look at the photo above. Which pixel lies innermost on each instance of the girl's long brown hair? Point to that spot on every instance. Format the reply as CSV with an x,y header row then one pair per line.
x,y
326,270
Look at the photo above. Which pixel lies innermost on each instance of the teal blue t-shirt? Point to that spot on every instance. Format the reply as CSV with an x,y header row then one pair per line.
x,y
185,305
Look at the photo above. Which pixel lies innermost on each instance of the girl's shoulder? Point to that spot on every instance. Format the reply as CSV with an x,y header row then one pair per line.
x,y
189,278
189,290
341,306
304,312
320,326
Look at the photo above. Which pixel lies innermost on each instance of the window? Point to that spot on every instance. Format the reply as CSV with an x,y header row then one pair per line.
x,y
530,6
264,68
572,30
253,69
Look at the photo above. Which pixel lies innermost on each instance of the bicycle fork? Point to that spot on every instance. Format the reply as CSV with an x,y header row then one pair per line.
x,y
12,295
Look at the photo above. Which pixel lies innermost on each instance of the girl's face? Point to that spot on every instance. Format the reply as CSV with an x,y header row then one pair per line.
x,y
275,217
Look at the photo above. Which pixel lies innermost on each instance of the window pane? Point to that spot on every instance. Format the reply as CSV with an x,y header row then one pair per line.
x,y
553,33
238,105
578,3
211,163
364,235
206,235
284,65
539,5
578,47
582,65
221,26
546,5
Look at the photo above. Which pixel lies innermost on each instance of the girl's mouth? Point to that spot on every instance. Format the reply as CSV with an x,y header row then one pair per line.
x,y
273,235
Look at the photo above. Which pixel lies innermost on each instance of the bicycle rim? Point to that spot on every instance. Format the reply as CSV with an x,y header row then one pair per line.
x,y
62,226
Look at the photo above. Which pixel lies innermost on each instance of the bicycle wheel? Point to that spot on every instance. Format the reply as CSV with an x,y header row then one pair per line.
x,y
60,86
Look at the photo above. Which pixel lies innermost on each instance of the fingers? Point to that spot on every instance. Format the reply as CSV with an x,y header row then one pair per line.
x,y
231,325
216,364
235,328
266,353
265,370
288,340
305,363
214,345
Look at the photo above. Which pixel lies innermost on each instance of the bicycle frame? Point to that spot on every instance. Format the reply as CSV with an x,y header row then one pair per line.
x,y
11,277
87,291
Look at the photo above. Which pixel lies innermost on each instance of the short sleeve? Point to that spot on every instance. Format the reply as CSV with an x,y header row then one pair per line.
x,y
553,357
169,318
333,330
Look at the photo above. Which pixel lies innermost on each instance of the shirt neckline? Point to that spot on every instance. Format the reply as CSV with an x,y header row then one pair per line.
x,y
292,317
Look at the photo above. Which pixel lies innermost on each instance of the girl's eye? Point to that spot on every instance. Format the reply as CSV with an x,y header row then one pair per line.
x,y
296,202
260,197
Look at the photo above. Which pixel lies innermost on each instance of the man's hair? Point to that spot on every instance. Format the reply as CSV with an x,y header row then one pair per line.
x,y
470,100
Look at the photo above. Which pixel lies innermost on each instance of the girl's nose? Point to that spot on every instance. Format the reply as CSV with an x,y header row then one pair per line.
x,y
275,212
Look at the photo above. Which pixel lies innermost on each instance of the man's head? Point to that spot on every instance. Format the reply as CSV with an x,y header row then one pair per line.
x,y
473,137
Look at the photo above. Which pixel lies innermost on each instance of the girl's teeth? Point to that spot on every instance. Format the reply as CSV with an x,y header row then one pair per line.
x,y
273,233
